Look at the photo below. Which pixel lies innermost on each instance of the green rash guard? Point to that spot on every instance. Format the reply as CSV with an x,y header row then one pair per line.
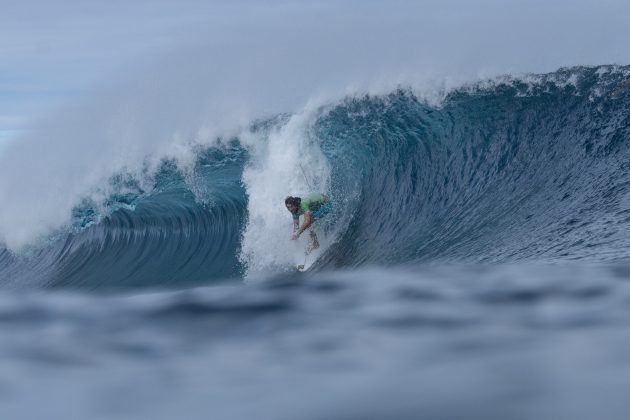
x,y
309,203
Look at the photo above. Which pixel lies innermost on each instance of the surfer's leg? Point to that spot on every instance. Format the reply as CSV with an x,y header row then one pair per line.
x,y
314,243
316,215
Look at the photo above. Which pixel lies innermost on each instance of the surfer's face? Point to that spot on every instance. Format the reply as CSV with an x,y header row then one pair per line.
x,y
291,207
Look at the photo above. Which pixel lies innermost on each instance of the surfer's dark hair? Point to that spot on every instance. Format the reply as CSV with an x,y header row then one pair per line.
x,y
295,201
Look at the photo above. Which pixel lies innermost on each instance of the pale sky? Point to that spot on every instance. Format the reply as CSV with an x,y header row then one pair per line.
x,y
54,52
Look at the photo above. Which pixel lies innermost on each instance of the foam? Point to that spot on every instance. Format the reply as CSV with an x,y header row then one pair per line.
x,y
282,164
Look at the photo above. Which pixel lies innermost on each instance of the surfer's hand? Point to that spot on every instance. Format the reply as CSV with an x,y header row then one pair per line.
x,y
295,236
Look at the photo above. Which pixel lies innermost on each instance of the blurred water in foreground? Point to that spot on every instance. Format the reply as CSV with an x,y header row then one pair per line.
x,y
500,342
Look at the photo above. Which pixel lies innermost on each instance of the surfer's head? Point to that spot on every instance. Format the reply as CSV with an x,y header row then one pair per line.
x,y
292,203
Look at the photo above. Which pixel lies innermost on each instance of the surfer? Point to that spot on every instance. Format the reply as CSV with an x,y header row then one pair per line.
x,y
313,207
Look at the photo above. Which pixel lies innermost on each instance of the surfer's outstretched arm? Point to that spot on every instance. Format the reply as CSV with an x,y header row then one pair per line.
x,y
308,221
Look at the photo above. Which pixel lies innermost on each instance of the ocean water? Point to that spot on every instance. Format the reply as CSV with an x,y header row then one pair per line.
x,y
474,266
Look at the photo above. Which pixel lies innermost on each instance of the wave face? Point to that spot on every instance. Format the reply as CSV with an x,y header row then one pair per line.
x,y
529,169
163,238
515,171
